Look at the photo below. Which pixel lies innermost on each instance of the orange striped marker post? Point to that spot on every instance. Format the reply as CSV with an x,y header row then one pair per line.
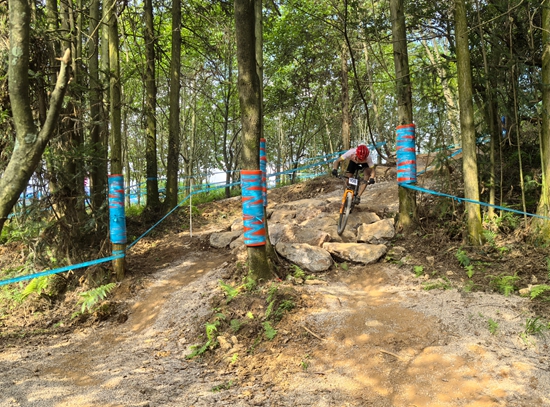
x,y
406,154
253,207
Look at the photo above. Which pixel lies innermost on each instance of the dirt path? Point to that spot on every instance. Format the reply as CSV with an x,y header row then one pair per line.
x,y
375,350
367,336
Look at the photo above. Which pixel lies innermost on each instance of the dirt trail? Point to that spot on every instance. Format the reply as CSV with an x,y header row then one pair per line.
x,y
367,336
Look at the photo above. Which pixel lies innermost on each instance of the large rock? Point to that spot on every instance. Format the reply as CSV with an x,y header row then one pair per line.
x,y
377,233
307,257
283,216
356,252
220,240
279,232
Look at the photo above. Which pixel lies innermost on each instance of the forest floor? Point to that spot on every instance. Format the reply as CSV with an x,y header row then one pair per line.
x,y
416,329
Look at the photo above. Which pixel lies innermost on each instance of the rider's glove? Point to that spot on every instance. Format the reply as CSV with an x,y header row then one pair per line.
x,y
334,172
371,181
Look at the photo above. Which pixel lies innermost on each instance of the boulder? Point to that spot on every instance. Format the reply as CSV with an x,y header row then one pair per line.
x,y
377,233
356,252
220,240
307,257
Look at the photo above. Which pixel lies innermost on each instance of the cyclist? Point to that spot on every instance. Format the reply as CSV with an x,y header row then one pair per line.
x,y
359,158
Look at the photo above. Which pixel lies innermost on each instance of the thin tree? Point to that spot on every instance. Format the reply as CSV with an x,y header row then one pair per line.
x,y
153,201
174,126
250,103
115,93
469,158
30,143
407,197
98,167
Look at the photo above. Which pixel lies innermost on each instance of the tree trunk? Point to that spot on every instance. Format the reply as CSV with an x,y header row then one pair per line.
x,y
174,130
469,160
98,166
30,143
407,197
544,203
250,103
116,118
346,119
153,201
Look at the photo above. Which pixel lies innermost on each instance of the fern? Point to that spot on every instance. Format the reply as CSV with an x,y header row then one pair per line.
x,y
230,291
37,285
91,297
269,309
462,258
538,290
270,332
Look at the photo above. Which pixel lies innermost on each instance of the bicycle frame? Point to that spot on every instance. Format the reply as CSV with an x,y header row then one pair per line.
x,y
351,191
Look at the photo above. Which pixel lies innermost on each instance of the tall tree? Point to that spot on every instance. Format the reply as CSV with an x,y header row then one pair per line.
x,y
544,203
150,108
30,143
250,103
174,126
98,167
469,159
407,197
115,93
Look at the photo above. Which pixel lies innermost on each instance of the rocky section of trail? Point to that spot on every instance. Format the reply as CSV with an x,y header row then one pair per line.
x,y
304,231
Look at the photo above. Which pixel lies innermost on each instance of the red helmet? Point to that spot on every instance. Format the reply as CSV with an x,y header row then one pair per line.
x,y
362,152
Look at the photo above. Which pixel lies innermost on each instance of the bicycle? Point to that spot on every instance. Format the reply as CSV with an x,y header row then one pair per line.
x,y
348,199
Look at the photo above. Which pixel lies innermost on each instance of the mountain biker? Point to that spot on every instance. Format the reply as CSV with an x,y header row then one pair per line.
x,y
359,158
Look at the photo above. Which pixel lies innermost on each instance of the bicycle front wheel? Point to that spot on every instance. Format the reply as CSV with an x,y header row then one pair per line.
x,y
345,211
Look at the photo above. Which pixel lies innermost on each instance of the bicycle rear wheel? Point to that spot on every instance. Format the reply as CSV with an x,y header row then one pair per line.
x,y
344,213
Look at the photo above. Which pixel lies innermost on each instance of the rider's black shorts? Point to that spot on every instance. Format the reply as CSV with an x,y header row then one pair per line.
x,y
353,166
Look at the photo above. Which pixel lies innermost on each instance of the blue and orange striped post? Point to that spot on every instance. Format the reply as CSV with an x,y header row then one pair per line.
x,y
253,209
117,218
117,223
406,154
263,167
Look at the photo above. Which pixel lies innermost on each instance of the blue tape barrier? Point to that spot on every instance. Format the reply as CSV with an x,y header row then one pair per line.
x,y
61,270
459,199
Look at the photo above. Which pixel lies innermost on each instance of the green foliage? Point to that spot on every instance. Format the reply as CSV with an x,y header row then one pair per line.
x,y
223,386
489,236
269,309
249,283
133,211
462,257
90,298
230,291
36,286
305,363
270,332
535,326
470,270
539,291
437,285
271,292
493,326
236,325
211,342
298,272
504,284
418,271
